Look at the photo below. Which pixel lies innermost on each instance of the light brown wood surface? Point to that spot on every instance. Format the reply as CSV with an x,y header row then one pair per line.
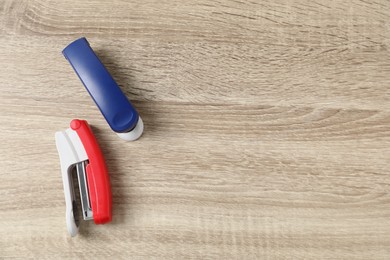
x,y
267,128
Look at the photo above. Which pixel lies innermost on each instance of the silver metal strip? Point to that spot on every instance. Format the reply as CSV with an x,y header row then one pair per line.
x,y
84,193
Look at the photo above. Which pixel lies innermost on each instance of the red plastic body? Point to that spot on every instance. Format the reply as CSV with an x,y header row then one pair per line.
x,y
97,174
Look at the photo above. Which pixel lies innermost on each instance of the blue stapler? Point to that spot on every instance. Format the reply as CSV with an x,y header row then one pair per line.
x,y
112,102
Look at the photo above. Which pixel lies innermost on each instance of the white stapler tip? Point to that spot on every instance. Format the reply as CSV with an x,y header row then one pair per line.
x,y
135,133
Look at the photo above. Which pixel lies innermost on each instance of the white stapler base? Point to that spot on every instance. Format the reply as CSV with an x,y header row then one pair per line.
x,y
71,151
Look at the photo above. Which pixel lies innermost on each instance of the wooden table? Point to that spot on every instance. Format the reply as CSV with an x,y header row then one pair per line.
x,y
267,128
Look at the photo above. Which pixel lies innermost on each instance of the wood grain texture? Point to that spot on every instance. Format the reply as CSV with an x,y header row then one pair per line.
x,y
267,128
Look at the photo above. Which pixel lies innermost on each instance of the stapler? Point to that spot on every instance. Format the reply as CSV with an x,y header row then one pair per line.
x,y
119,113
80,155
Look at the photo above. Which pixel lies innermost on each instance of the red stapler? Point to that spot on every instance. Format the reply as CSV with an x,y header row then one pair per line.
x,y
80,155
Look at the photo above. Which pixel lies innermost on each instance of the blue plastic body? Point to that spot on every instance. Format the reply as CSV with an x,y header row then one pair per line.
x,y
112,102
